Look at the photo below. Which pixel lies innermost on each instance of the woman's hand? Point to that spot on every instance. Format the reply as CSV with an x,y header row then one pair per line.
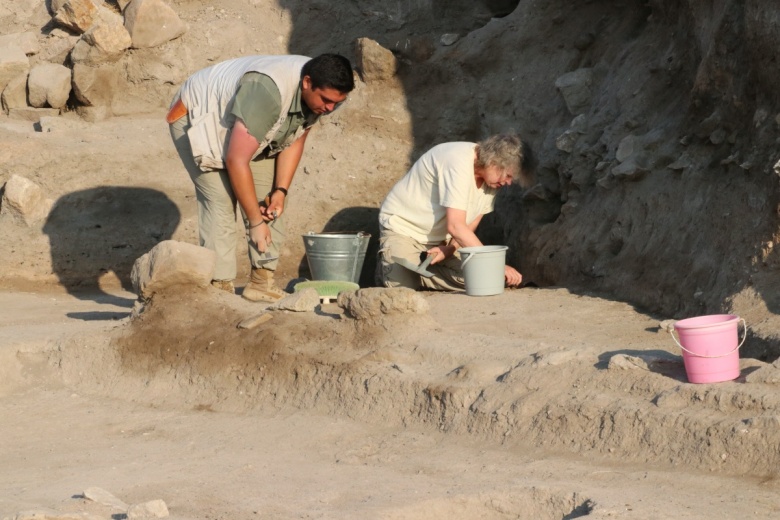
x,y
441,253
513,278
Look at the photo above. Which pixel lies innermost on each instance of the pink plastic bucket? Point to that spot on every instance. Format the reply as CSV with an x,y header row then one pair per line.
x,y
710,347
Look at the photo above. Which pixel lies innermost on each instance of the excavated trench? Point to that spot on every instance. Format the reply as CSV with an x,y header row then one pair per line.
x,y
507,392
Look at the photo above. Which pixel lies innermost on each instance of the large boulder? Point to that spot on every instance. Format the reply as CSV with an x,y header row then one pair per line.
x,y
172,263
95,86
15,93
13,63
49,84
26,41
24,200
576,87
152,23
105,41
374,61
77,15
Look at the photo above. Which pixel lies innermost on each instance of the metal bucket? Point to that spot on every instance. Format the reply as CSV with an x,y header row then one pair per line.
x,y
336,255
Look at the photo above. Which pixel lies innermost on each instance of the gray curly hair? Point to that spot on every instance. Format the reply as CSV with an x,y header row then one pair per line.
x,y
510,153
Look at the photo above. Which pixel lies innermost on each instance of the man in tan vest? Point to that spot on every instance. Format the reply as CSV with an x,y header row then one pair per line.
x,y
239,127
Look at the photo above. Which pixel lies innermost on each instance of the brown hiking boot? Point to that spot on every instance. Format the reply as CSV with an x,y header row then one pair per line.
x,y
261,287
224,285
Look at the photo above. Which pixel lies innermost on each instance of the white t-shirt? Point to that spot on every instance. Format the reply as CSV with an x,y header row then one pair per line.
x,y
441,178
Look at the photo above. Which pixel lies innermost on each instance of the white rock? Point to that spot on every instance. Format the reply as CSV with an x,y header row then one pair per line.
x,y
26,41
49,84
13,63
151,509
105,41
172,263
152,23
15,93
24,200
448,39
101,496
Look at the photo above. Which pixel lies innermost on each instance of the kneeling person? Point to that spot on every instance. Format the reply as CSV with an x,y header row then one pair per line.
x,y
436,207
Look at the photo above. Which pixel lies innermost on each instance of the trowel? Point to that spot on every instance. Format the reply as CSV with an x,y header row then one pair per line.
x,y
421,269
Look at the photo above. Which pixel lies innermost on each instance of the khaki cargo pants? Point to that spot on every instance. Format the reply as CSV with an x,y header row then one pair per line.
x,y
447,274
217,208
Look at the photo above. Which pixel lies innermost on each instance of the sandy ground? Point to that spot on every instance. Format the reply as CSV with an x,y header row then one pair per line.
x,y
235,459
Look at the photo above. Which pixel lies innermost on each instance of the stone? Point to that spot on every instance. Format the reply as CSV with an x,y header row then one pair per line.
x,y
24,200
373,302
105,41
566,141
666,325
374,61
575,87
13,63
172,263
628,170
26,41
55,6
49,84
579,124
77,15
255,321
95,86
302,301
449,39
152,23
101,496
32,114
681,163
151,509
122,4
15,94
627,147
718,136
57,47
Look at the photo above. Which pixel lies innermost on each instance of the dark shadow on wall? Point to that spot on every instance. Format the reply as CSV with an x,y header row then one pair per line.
x,y
412,31
100,230
353,220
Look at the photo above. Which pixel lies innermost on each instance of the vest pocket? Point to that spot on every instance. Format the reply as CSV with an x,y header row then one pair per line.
x,y
208,139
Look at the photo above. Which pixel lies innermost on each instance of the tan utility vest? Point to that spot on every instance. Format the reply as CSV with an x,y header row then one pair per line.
x,y
209,93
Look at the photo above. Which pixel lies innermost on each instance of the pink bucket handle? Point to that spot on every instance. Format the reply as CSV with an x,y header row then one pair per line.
x,y
744,325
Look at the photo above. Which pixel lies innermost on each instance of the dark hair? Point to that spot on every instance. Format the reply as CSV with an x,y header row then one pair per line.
x,y
330,71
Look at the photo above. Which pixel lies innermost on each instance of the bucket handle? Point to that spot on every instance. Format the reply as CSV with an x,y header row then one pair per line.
x,y
744,325
466,260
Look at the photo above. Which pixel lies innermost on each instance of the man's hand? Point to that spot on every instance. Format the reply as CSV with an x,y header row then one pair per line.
x,y
274,206
261,236
513,278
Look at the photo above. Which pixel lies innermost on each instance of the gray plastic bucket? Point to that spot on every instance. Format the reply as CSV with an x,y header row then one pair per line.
x,y
336,255
483,269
